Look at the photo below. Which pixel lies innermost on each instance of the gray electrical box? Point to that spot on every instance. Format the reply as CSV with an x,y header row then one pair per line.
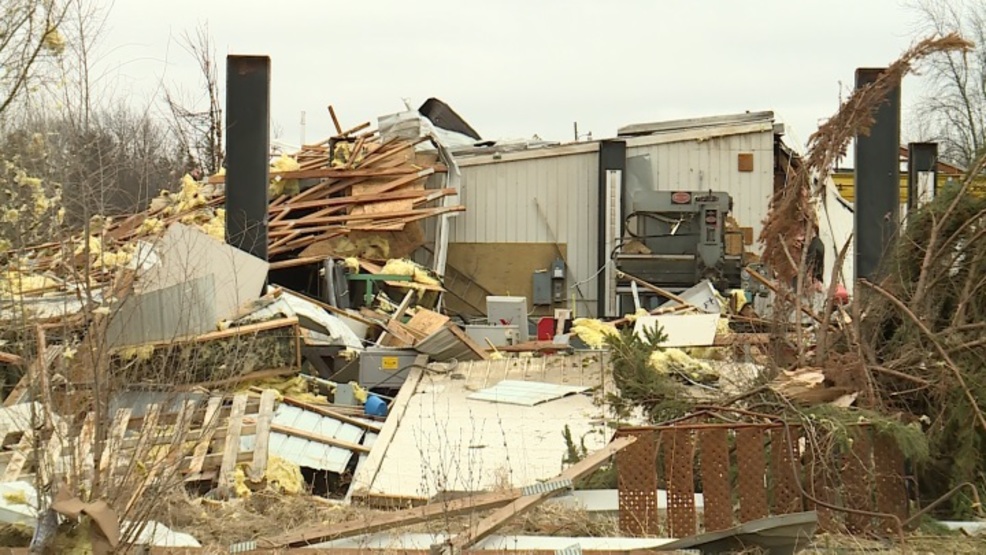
x,y
542,288
385,367
499,336
558,281
508,311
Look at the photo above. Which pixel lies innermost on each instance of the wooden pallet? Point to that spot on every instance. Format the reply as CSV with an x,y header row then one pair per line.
x,y
201,441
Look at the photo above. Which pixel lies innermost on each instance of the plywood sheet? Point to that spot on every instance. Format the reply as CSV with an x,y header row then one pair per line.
x,y
426,321
682,330
187,253
476,270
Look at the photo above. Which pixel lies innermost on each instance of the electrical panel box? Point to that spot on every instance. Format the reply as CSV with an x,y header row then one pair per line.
x,y
542,288
558,281
386,368
509,311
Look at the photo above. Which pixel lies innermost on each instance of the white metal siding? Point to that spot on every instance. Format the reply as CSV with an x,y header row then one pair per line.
x,y
712,164
500,208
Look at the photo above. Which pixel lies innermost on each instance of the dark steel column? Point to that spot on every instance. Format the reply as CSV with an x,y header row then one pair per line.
x,y
247,152
612,157
877,206
921,158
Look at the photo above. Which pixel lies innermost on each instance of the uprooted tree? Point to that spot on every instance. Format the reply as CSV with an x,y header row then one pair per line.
x,y
913,349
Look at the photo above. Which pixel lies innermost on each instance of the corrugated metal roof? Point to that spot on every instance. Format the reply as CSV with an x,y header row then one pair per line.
x,y
694,123
444,345
308,453
528,394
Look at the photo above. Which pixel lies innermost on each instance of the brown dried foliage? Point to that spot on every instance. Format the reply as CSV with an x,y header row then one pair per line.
x,y
791,211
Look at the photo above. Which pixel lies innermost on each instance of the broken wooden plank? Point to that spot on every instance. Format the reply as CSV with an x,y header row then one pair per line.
x,y
19,458
427,321
326,440
16,360
118,430
231,332
232,448
367,472
322,533
473,346
259,465
322,411
574,473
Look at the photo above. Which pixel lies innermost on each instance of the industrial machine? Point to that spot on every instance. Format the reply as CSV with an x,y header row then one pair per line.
x,y
675,239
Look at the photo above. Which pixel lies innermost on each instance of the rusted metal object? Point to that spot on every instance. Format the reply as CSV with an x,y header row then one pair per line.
x,y
637,483
786,497
718,494
752,474
858,477
891,488
744,477
679,446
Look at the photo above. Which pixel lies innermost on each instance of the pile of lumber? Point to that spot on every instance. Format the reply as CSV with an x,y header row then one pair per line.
x,y
380,187
348,184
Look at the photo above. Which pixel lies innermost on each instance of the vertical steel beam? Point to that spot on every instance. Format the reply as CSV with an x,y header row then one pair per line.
x,y
877,168
612,181
922,174
247,152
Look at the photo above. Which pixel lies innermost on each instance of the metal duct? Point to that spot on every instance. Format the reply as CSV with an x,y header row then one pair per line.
x,y
247,152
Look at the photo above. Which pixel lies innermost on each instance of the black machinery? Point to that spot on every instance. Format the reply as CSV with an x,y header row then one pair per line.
x,y
675,239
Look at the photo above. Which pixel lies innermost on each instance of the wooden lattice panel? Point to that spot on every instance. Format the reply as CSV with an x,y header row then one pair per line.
x,y
752,473
819,476
716,490
636,472
679,464
857,482
891,491
785,494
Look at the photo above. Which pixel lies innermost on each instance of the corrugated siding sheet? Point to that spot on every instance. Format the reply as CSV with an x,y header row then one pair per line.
x,y
304,452
500,208
712,164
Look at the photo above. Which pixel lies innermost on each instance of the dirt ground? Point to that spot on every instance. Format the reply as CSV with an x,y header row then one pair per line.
x,y
220,524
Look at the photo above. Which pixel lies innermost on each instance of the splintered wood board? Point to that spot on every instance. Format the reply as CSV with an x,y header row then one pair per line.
x,y
426,321
387,184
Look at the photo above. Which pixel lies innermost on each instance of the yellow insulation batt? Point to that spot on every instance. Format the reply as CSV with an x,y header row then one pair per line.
x,y
404,267
281,476
713,353
676,361
593,331
279,186
297,388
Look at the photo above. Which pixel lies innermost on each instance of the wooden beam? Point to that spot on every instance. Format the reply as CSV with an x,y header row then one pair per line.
x,y
231,332
352,551
326,440
467,341
367,472
331,414
10,358
264,419
501,516
322,533
232,448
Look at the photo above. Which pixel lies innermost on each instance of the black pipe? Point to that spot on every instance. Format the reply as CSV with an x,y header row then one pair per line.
x,y
247,152
877,179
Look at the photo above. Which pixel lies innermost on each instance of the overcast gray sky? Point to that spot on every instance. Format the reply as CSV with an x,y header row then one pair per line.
x,y
514,68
